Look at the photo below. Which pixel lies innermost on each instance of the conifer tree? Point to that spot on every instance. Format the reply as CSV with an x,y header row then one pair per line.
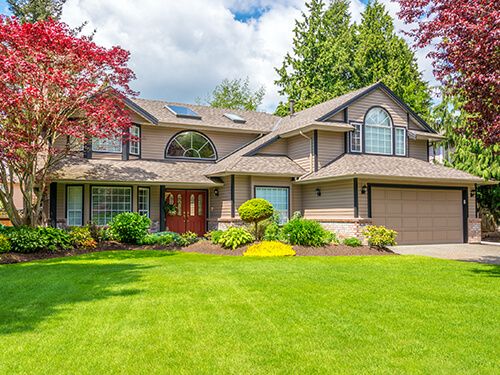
x,y
36,10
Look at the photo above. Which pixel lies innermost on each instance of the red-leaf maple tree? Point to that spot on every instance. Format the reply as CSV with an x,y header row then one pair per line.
x,y
466,37
55,86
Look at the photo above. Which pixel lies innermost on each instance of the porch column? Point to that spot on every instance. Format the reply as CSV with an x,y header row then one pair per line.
x,y
162,208
53,204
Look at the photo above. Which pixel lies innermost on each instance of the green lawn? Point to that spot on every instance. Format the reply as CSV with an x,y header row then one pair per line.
x,y
144,312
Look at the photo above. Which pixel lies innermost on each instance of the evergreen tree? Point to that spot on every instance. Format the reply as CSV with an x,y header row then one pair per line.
x,y
36,10
381,55
320,66
235,94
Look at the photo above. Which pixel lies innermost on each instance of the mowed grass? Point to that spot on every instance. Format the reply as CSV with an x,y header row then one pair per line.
x,y
145,312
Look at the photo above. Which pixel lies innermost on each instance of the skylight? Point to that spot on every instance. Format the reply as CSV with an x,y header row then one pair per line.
x,y
181,111
235,118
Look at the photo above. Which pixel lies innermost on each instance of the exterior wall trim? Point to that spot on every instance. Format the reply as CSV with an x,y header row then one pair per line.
x,y
356,198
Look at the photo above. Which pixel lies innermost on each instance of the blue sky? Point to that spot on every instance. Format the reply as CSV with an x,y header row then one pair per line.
x,y
181,49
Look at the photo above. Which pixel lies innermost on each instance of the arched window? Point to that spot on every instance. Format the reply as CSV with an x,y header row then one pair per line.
x,y
190,145
378,131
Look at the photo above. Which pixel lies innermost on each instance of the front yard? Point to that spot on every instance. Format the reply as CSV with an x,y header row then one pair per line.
x,y
144,312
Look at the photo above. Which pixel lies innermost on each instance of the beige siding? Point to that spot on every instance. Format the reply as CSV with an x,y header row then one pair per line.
x,y
220,206
299,150
362,199
61,201
155,139
296,198
106,155
338,117
242,191
330,146
336,200
358,109
472,202
154,209
417,149
280,147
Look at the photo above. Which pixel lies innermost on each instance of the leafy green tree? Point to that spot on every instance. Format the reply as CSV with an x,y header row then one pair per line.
x,y
36,10
320,66
235,94
469,154
381,55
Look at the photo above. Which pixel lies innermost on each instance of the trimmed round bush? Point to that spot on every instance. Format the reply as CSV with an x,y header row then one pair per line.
x,y
353,242
255,210
81,237
130,227
235,237
4,244
306,232
269,249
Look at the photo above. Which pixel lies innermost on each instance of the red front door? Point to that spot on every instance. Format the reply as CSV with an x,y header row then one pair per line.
x,y
187,211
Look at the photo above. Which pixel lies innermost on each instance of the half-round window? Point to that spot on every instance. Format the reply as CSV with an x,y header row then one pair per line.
x,y
378,131
190,145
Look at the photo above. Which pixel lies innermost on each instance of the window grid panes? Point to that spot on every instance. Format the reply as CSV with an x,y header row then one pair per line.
x,y
278,197
135,145
191,145
400,141
378,132
143,201
108,202
356,138
74,206
112,144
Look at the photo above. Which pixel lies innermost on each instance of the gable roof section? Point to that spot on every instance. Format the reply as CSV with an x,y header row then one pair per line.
x,y
364,165
255,122
141,112
320,113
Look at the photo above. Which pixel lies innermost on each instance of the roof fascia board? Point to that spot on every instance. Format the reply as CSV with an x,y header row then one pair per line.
x,y
141,112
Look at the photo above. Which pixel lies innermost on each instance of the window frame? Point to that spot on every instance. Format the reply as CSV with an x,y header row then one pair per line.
x,y
287,188
351,134
66,205
112,187
148,189
390,127
405,141
173,138
120,142
137,142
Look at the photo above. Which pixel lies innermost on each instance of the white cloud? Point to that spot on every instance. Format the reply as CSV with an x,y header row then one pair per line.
x,y
181,49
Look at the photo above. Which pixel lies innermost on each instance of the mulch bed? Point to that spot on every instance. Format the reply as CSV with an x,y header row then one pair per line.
x,y
201,247
206,247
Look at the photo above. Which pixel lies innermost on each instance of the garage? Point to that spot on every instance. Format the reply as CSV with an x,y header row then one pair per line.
x,y
421,215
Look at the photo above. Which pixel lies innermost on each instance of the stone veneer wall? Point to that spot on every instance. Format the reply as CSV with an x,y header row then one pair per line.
x,y
222,224
474,230
347,228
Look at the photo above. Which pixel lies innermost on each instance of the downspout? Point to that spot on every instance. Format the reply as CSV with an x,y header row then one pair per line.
x,y
310,150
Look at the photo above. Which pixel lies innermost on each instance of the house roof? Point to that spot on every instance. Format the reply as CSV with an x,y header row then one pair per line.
x,y
270,165
363,165
255,122
140,171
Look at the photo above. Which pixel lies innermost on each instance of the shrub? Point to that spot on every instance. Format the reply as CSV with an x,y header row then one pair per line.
x,y
81,237
353,242
4,244
255,210
31,240
269,249
272,232
235,237
380,236
306,232
214,236
130,227
160,238
186,239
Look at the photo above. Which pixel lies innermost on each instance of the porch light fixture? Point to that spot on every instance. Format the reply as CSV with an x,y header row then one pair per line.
x,y
318,192
216,192
363,189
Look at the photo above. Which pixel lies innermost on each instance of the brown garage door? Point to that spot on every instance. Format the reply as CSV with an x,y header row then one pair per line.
x,y
419,215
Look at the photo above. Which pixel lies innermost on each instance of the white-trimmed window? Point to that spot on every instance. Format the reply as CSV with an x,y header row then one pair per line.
x,y
278,197
400,137
191,145
74,206
378,132
143,201
112,144
135,143
356,138
108,202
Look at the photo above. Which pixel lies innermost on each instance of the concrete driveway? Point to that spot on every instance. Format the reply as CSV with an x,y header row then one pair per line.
x,y
466,252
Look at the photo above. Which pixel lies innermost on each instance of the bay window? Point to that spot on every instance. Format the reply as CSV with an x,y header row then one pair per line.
x,y
112,144
135,143
108,202
400,136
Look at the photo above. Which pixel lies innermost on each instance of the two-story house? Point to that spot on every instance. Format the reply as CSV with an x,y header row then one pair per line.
x,y
358,159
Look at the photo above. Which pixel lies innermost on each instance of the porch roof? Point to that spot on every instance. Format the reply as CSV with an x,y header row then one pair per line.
x,y
134,171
